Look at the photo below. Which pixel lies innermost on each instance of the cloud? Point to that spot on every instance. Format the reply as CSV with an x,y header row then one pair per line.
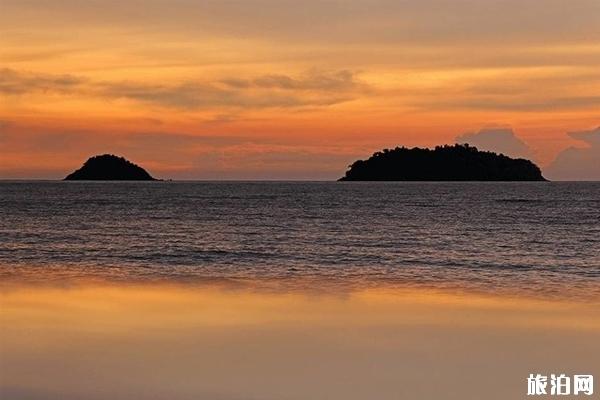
x,y
313,88
266,91
194,95
337,81
592,137
510,103
499,140
578,163
314,80
16,82
514,90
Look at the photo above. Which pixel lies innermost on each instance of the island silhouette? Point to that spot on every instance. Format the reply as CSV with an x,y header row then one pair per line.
x,y
459,162
108,167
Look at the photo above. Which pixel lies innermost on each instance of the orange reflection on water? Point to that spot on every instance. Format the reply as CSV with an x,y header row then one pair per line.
x,y
166,341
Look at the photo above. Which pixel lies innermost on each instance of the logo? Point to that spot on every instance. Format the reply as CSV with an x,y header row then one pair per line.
x,y
560,385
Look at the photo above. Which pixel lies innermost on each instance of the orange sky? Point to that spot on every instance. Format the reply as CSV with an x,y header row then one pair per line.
x,y
286,90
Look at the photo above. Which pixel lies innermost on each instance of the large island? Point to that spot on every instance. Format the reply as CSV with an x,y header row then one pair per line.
x,y
444,163
108,167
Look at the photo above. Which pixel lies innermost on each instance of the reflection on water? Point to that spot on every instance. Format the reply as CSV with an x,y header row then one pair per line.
x,y
526,237
224,341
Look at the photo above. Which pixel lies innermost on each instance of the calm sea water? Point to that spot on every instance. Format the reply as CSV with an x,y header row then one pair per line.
x,y
527,237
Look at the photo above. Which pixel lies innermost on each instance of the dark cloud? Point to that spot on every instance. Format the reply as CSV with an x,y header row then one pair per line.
x,y
237,83
194,95
499,140
312,89
17,82
334,81
578,163
186,95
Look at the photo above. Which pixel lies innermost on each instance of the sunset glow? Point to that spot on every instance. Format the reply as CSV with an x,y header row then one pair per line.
x,y
283,90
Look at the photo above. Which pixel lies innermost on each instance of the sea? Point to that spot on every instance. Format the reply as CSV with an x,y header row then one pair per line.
x,y
530,238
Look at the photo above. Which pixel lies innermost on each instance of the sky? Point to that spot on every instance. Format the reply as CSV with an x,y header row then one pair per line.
x,y
278,89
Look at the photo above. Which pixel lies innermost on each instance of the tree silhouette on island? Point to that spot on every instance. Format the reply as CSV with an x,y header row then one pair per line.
x,y
444,163
108,167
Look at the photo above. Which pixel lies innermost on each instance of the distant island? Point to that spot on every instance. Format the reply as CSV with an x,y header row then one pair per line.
x,y
108,167
444,163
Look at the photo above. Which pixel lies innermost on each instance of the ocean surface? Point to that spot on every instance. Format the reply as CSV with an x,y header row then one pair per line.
x,y
532,238
295,291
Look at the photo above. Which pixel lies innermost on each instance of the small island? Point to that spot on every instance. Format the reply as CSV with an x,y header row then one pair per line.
x,y
108,167
444,163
